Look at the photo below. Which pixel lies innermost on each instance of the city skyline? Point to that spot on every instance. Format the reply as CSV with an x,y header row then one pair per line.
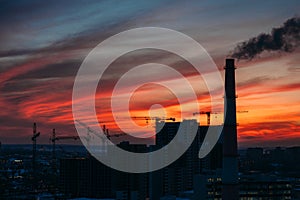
x,y
44,45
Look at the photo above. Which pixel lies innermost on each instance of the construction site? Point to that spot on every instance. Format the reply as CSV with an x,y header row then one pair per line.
x,y
57,171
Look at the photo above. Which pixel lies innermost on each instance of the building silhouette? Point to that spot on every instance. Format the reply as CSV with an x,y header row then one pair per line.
x,y
87,177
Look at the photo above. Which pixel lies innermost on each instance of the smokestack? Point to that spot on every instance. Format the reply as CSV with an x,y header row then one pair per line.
x,y
230,189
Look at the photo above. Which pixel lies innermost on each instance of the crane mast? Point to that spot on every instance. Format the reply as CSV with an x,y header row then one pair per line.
x,y
35,135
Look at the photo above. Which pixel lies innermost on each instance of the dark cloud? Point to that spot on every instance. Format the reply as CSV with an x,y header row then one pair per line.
x,y
284,39
67,68
277,133
253,81
85,39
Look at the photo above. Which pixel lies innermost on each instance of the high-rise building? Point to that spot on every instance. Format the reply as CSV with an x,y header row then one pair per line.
x,y
87,177
178,176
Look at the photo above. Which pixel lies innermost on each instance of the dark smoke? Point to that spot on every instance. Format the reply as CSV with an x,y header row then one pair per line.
x,y
284,39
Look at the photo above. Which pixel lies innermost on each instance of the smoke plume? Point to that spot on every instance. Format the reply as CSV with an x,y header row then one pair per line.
x,y
284,39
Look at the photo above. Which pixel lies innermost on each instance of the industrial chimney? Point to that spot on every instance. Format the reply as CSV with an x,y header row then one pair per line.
x,y
230,189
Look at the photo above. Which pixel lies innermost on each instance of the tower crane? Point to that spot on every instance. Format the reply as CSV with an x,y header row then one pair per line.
x,y
35,135
105,131
108,135
157,119
208,115
242,111
55,138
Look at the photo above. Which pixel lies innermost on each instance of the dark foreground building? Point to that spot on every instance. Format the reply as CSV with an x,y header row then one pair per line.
x,y
87,177
178,178
255,186
82,177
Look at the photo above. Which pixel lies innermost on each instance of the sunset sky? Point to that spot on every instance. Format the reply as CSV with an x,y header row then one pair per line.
x,y
43,44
